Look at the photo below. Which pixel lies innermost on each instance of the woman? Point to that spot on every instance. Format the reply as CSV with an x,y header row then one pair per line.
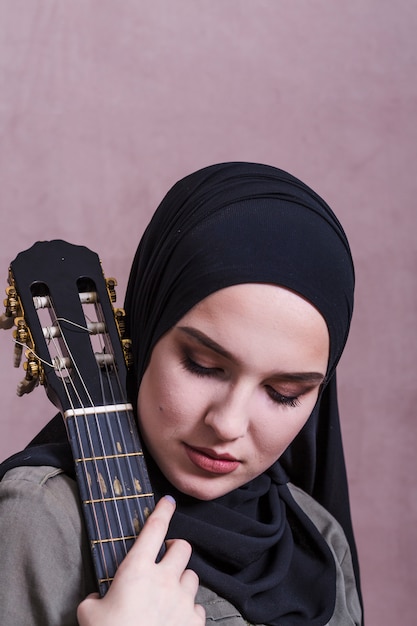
x,y
239,305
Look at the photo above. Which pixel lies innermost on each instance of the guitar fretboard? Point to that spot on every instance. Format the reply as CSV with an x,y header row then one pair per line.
x,y
113,482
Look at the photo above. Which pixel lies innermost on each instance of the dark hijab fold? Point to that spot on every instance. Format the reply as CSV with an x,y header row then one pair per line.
x,y
223,225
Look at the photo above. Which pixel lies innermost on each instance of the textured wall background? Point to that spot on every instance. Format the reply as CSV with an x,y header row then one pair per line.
x,y
104,104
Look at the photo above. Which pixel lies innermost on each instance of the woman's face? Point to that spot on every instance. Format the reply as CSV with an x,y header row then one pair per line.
x,y
230,385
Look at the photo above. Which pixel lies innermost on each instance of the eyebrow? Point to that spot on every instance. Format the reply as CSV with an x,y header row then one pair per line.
x,y
308,377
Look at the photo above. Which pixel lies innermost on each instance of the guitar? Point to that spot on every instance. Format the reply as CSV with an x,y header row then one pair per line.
x,y
73,338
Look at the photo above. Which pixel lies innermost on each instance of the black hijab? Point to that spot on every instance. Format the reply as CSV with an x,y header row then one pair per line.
x,y
243,223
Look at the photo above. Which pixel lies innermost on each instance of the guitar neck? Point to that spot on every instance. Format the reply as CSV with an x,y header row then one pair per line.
x,y
62,307
113,482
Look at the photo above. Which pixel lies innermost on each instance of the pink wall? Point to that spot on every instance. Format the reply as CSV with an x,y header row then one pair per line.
x,y
104,104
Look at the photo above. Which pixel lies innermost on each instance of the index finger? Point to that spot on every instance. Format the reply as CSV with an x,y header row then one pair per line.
x,y
152,535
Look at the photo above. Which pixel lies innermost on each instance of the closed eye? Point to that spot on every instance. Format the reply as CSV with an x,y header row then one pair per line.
x,y
278,398
200,370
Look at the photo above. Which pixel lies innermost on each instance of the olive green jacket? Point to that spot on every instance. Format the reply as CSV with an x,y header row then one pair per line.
x,y
42,542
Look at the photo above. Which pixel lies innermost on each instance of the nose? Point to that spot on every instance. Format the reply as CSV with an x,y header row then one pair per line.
x,y
228,415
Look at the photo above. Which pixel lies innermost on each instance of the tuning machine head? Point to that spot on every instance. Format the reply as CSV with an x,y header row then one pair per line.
x,y
111,284
11,305
21,337
13,315
120,317
34,374
127,352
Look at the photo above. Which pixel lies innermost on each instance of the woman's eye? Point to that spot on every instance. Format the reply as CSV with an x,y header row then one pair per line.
x,y
200,370
290,401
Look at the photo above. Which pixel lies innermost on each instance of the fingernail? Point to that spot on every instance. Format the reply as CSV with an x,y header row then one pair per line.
x,y
171,499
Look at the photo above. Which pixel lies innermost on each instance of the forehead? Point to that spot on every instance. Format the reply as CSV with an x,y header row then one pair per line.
x,y
258,301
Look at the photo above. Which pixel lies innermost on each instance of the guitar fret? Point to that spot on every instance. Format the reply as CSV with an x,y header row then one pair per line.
x,y
107,456
113,539
115,498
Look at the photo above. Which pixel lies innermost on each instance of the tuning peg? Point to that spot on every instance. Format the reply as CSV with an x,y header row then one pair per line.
x,y
12,303
6,321
127,352
111,284
21,336
12,306
120,317
31,380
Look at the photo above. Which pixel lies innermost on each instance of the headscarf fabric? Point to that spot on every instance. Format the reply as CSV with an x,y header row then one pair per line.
x,y
230,224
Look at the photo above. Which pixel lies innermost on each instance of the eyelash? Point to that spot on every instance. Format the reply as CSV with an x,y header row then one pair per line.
x,y
200,370
288,401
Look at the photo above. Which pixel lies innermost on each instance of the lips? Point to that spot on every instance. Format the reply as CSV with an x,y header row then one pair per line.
x,y
210,461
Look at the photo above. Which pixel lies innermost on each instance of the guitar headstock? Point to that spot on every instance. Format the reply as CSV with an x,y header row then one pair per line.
x,y
66,325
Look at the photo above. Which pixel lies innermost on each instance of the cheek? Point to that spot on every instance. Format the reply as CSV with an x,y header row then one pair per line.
x,y
162,400
275,434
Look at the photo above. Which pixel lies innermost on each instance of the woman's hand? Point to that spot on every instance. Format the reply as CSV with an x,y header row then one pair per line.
x,y
146,592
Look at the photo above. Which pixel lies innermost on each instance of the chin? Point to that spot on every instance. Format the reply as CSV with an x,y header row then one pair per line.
x,y
202,489
205,495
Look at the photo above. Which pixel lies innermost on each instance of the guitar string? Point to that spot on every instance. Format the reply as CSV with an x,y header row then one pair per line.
x,y
144,483
106,347
102,489
141,468
69,384
64,367
61,364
